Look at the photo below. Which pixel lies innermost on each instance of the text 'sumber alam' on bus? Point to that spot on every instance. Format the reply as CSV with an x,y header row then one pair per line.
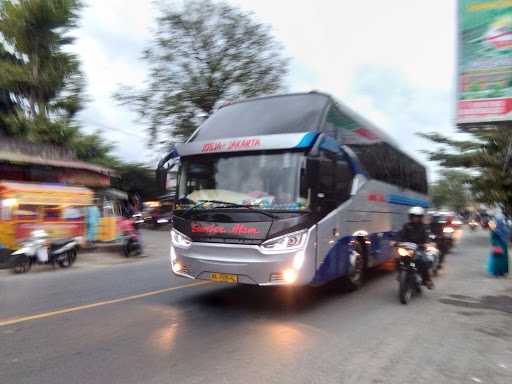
x,y
293,189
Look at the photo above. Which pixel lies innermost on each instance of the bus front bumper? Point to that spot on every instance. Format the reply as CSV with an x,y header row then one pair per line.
x,y
244,264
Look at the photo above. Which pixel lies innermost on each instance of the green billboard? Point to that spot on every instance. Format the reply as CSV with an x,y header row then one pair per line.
x,y
485,61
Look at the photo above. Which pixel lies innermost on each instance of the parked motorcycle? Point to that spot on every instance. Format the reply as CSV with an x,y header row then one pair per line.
x,y
408,276
38,249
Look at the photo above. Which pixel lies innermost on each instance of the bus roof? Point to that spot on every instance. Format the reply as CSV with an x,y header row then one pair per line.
x,y
344,109
277,122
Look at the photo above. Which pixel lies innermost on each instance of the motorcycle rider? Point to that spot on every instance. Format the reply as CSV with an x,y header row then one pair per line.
x,y
436,228
416,231
436,224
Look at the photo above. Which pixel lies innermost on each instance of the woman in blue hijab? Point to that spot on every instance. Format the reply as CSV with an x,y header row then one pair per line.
x,y
500,237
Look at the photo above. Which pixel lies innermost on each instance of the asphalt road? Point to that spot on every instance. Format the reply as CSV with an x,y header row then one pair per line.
x,y
132,323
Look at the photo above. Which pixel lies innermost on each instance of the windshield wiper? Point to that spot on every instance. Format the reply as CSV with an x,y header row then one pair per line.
x,y
229,204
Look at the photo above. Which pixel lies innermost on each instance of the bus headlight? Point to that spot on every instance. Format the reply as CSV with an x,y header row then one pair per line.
x,y
175,264
179,240
289,242
172,254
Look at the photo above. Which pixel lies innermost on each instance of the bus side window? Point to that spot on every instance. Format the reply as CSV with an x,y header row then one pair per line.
x,y
338,125
330,125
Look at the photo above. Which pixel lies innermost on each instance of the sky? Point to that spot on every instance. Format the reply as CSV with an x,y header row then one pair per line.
x,y
391,61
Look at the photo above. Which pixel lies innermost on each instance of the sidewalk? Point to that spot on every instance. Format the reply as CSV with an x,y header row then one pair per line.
x,y
155,245
477,319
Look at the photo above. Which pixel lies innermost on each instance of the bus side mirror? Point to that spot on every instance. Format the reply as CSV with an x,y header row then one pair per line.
x,y
162,170
161,179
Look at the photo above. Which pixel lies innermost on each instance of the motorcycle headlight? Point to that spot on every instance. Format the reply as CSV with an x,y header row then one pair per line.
x,y
448,230
403,252
431,248
180,240
289,242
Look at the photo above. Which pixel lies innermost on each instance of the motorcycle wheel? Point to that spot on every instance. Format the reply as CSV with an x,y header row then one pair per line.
x,y
131,248
126,249
73,255
67,261
404,290
22,265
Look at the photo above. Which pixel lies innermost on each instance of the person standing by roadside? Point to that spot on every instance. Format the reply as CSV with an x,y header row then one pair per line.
x,y
500,236
93,219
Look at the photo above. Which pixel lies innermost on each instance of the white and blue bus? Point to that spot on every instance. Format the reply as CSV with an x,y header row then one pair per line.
x,y
288,190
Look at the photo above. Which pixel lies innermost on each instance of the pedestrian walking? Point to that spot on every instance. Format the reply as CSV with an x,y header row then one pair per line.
x,y
498,264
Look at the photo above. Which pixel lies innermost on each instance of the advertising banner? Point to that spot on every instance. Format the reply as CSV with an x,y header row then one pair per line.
x,y
485,61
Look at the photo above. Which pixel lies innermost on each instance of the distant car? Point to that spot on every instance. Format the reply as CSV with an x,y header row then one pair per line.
x,y
158,217
457,222
162,219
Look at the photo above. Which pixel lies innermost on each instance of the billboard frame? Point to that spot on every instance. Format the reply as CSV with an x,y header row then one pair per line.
x,y
486,121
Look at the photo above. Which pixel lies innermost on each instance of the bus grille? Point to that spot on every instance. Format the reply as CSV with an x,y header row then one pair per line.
x,y
186,270
276,277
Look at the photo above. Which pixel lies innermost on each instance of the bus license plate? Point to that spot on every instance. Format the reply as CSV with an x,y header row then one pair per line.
x,y
224,278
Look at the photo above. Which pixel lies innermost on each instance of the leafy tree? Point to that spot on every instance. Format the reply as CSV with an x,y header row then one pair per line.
x,y
203,54
8,105
451,190
94,149
136,179
40,81
489,153
45,75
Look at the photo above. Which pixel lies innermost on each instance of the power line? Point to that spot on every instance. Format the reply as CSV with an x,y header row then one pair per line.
x,y
116,129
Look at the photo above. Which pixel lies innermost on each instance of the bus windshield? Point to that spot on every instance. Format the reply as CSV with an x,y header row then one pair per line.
x,y
267,181
266,116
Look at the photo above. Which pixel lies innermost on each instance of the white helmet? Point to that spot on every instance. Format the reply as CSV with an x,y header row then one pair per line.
x,y
416,211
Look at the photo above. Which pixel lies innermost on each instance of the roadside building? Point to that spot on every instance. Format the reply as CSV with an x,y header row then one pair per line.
x,y
42,163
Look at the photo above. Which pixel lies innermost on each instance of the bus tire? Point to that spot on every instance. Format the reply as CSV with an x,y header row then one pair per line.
x,y
355,279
